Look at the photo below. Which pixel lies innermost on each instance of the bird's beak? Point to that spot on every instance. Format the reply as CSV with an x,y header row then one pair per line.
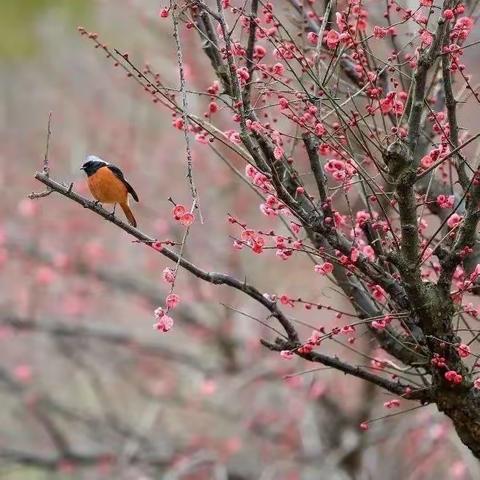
x,y
82,168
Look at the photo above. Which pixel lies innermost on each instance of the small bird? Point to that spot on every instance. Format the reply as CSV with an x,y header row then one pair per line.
x,y
108,185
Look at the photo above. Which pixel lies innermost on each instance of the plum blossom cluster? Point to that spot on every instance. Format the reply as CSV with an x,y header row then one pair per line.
x,y
163,321
256,240
313,341
340,170
394,403
182,215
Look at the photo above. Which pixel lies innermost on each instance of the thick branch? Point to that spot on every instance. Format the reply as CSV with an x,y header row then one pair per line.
x,y
394,387
311,146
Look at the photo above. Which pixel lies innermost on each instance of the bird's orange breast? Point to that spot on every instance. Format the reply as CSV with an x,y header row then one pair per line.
x,y
106,187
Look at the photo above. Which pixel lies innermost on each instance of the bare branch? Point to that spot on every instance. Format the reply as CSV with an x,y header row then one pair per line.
x,y
211,277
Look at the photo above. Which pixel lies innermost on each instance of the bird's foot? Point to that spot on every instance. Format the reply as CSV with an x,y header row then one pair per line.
x,y
111,216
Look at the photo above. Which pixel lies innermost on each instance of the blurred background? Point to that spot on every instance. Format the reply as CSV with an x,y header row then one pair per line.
x,y
88,389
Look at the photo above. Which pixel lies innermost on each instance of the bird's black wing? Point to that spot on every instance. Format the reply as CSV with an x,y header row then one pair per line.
x,y
119,174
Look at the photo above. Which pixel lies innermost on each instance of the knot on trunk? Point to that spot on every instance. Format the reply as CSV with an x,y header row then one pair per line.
x,y
398,158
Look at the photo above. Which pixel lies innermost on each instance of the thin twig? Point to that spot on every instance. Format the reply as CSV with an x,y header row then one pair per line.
x,y
46,168
193,188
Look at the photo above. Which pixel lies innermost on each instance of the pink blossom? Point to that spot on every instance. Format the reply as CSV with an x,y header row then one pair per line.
x,y
315,338
377,363
379,32
157,246
378,292
306,348
339,169
392,403
214,88
453,377
250,171
295,227
324,269
462,28
379,324
238,245
454,220
213,107
259,52
187,219
332,38
178,123
386,105
341,24
168,275
164,324
463,350
278,69
427,37
448,14
267,211
283,254
320,129
283,102
312,37
278,152
287,354
347,330
242,74
285,300
427,161
362,217
445,201
172,300
178,211
257,245
233,136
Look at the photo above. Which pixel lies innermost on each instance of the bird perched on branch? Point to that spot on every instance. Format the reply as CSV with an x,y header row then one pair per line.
x,y
108,185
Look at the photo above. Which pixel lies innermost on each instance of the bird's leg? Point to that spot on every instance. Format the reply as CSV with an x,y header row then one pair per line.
x,y
112,215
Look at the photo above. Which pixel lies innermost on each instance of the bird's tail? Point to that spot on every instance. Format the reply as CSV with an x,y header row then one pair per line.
x,y
128,213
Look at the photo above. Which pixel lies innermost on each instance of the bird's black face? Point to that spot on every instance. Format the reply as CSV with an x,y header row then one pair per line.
x,y
92,166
